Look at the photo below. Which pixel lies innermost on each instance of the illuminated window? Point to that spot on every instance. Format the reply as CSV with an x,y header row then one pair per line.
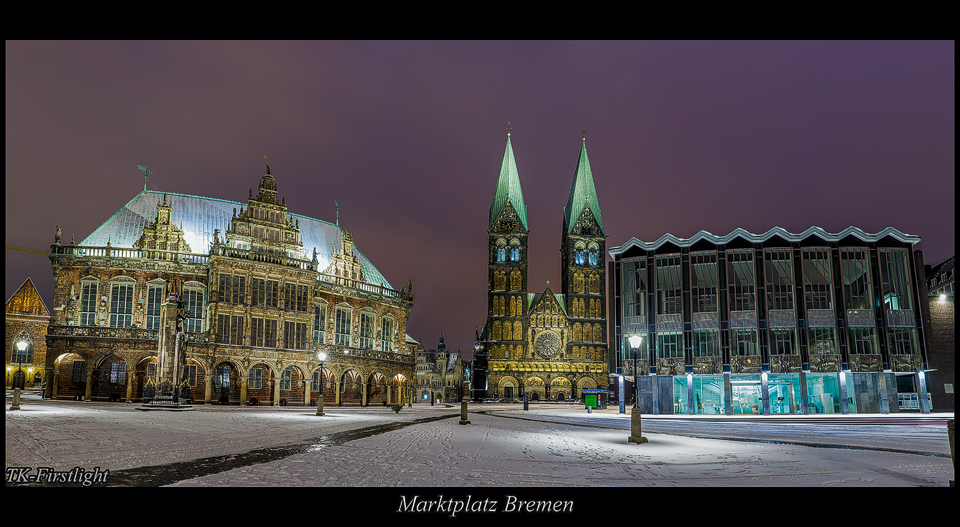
x,y
895,272
669,344
703,286
319,323
855,272
817,279
514,250
79,370
741,280
154,299
121,305
193,303
366,330
342,330
223,377
669,285
118,373
386,341
88,304
778,271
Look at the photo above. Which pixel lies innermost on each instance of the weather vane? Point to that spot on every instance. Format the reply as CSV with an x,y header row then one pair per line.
x,y
509,128
584,133
145,173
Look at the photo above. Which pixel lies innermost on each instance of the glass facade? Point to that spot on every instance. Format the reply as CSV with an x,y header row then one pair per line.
x,y
769,325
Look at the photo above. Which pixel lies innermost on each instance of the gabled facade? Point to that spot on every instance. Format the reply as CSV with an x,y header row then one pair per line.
x,y
548,345
261,290
440,375
25,319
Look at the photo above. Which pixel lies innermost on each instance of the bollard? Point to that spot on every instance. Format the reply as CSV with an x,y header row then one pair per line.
x,y
16,399
463,412
952,458
589,409
635,436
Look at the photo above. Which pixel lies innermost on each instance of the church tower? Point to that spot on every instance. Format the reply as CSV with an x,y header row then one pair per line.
x,y
582,252
507,231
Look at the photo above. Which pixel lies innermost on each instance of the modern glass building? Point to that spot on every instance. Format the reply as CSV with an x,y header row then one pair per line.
x,y
777,323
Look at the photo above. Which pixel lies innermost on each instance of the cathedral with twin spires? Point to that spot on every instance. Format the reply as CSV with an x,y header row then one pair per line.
x,y
550,345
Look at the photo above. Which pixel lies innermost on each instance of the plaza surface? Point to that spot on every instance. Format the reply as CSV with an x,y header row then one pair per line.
x,y
504,446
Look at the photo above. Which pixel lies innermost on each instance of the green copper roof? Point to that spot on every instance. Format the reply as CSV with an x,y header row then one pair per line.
x,y
582,193
508,188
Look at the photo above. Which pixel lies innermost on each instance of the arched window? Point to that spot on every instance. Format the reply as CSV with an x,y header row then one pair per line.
x,y
594,254
501,250
514,250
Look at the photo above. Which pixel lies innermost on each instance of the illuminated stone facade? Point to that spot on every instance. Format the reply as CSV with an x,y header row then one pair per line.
x,y
262,291
546,344
440,374
26,319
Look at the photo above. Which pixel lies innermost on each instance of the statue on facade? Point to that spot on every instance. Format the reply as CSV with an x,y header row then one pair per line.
x,y
56,239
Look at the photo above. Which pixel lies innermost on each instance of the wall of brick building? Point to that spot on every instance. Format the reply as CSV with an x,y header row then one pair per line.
x,y
941,352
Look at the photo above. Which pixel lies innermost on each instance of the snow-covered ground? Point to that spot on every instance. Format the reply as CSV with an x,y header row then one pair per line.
x,y
503,447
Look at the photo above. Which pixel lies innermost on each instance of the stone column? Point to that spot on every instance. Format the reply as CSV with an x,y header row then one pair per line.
x,y
363,393
275,386
336,387
389,395
306,392
243,391
130,375
635,433
53,377
208,389
89,388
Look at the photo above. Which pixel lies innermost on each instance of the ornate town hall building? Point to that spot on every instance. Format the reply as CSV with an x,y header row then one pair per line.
x,y
549,345
259,291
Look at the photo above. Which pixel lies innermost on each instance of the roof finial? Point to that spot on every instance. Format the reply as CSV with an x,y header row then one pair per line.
x,y
584,133
268,165
335,202
509,128
145,173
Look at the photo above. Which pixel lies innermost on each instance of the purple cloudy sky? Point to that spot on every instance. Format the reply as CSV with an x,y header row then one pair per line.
x,y
409,136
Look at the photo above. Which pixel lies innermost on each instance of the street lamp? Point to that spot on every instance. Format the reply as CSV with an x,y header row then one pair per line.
x,y
22,345
635,341
321,356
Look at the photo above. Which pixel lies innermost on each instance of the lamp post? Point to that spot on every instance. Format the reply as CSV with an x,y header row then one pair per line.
x,y
635,342
321,357
22,345
18,377
635,425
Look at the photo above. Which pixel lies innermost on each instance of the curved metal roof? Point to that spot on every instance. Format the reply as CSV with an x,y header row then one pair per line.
x,y
759,238
201,215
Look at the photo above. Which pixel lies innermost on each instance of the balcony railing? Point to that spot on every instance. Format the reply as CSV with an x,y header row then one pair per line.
x,y
126,252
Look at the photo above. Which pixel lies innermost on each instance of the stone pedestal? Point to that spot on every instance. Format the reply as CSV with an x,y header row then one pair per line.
x,y
635,436
463,412
16,400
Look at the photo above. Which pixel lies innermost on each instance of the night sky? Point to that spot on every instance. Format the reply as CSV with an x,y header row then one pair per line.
x,y
409,137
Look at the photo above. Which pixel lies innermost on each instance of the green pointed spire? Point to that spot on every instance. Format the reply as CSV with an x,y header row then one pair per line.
x,y
582,193
508,188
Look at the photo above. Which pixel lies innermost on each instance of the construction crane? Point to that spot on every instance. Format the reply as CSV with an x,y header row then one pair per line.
x,y
30,250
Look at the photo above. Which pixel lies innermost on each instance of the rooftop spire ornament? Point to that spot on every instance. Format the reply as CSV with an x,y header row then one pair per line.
x,y
584,133
335,202
145,174
509,128
268,165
